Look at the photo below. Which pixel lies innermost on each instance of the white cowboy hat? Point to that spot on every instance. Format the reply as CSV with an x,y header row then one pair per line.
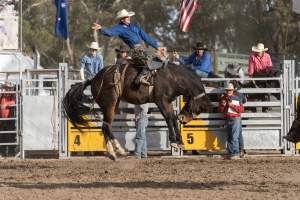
x,y
230,86
259,48
94,45
124,13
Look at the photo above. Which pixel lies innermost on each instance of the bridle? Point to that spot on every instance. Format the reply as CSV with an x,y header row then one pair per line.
x,y
199,96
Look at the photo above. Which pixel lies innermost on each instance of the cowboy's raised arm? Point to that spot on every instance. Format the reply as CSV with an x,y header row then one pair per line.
x,y
114,31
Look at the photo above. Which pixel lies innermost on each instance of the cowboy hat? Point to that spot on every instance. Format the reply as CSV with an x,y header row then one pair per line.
x,y
122,48
259,48
200,46
230,86
124,13
94,45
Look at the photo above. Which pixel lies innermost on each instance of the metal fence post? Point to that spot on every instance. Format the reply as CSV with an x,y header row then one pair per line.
x,y
63,139
288,67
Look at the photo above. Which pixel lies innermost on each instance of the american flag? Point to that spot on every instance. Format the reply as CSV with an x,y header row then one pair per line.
x,y
188,8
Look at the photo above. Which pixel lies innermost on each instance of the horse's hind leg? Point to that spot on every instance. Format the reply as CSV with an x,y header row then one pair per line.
x,y
109,145
115,142
111,142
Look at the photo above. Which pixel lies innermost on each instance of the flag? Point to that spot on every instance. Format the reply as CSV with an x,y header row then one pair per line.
x,y
187,10
296,6
61,25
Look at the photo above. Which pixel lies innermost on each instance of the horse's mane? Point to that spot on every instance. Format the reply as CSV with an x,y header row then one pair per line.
x,y
196,105
184,70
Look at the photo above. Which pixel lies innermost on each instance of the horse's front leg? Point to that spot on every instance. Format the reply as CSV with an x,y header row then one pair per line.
x,y
177,132
167,111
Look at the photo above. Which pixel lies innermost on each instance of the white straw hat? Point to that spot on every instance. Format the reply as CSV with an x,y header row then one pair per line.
x,y
259,48
94,45
230,86
124,13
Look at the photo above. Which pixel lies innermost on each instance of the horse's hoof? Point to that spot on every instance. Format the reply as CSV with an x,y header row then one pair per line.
x,y
114,158
174,145
289,138
122,153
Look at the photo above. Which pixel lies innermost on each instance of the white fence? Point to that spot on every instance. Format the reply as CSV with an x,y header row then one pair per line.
x,y
41,125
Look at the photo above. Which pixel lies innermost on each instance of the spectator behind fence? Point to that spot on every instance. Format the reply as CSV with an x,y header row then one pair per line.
x,y
232,106
7,100
200,59
91,63
260,63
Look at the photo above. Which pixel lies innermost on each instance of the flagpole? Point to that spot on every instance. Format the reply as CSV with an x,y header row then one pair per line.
x,y
95,34
70,51
21,24
61,26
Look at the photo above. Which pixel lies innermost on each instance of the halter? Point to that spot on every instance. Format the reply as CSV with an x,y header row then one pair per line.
x,y
195,98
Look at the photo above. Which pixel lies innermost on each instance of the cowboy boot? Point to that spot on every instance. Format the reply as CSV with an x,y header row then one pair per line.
x,y
142,77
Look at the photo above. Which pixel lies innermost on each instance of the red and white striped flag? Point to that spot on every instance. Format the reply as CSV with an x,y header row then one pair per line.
x,y
187,10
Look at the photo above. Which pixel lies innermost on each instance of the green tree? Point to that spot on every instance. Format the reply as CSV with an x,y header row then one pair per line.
x,y
234,25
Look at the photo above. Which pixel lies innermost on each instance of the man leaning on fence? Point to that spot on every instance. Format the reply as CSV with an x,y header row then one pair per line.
x,y
231,105
200,59
260,63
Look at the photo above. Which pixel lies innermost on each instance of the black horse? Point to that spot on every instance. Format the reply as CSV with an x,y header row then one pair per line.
x,y
294,132
115,83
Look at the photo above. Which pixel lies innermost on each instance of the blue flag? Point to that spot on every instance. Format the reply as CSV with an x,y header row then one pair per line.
x,y
61,25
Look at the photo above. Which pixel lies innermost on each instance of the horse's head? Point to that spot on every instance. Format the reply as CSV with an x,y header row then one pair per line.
x,y
294,133
193,107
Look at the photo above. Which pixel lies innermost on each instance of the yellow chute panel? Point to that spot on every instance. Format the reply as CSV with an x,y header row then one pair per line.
x,y
90,139
197,136
200,140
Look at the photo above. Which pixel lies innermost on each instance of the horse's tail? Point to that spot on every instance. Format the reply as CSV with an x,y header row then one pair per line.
x,y
73,104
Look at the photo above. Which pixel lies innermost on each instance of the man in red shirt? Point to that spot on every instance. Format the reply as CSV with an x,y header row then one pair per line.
x,y
260,63
231,105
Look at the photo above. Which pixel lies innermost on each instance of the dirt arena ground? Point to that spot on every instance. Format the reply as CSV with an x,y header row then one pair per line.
x,y
155,178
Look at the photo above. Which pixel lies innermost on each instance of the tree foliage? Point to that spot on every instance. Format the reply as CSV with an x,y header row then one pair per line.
x,y
234,25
